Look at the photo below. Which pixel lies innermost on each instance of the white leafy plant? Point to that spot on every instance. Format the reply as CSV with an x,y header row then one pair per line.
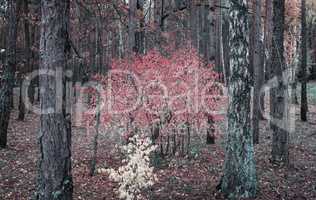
x,y
136,174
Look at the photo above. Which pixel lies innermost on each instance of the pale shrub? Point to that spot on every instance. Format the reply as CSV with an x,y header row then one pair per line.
x,y
136,174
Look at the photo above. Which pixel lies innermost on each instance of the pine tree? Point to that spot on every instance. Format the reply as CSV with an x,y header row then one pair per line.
x,y
279,98
55,179
304,104
7,84
239,178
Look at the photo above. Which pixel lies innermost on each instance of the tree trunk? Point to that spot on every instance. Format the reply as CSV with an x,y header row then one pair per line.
x,y
239,180
313,48
294,98
33,60
267,42
7,84
55,179
206,32
140,33
98,62
27,52
194,23
93,161
210,137
304,105
121,40
218,40
132,25
225,41
279,98
21,115
268,28
257,70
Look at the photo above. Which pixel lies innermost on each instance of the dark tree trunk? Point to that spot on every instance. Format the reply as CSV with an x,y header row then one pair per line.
x,y
21,115
279,95
35,8
206,32
314,55
93,161
55,179
258,72
6,90
194,23
140,32
27,53
200,18
210,137
218,39
225,41
98,62
313,48
239,180
304,105
268,28
267,49
32,65
132,25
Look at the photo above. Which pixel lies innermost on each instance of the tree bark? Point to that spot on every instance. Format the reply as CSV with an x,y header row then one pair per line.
x,y
258,72
55,179
131,25
268,38
210,137
7,83
21,114
194,23
218,39
225,41
239,180
27,53
304,104
313,48
140,33
33,61
279,99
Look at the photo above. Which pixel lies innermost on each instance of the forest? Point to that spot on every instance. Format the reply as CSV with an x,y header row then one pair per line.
x,y
157,99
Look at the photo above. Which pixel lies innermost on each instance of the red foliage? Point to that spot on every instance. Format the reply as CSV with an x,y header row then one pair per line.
x,y
178,88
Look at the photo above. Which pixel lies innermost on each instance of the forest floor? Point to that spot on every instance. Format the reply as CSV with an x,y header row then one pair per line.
x,y
179,179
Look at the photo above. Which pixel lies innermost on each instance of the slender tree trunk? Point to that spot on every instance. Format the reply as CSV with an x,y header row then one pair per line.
x,y
267,43
21,115
132,25
200,19
93,162
279,98
210,137
304,105
158,19
27,52
313,48
257,70
121,52
218,39
98,62
140,32
225,41
206,32
6,90
239,180
55,179
32,64
268,28
98,47
194,23
294,99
